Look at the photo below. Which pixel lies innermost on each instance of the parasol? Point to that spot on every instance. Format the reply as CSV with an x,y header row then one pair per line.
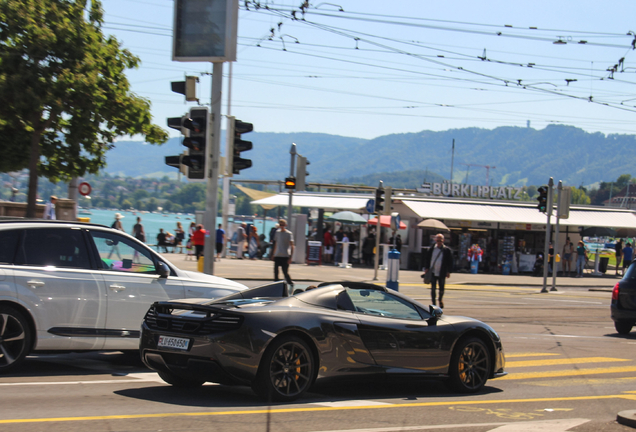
x,y
598,232
347,217
385,222
433,224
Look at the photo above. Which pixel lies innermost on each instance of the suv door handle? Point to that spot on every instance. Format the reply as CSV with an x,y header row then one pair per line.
x,y
117,288
35,283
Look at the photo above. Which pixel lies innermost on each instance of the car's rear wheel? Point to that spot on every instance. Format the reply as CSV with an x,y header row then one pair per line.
x,y
15,338
470,366
178,381
286,370
623,327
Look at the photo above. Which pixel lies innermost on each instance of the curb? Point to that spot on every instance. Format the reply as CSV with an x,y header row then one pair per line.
x,y
627,418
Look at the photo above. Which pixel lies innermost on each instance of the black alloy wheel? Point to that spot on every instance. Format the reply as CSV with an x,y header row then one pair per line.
x,y
177,381
15,338
470,366
286,371
623,327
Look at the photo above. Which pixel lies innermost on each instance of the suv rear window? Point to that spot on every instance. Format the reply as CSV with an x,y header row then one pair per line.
x,y
61,247
8,245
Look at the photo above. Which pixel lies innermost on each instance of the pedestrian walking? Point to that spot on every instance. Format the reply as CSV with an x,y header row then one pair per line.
x,y
252,244
180,236
198,240
220,241
328,246
117,223
618,254
581,258
628,255
438,261
283,251
241,236
49,209
138,231
568,250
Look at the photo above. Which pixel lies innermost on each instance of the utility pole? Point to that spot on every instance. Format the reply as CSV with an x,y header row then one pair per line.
x,y
556,236
452,160
292,152
212,173
547,236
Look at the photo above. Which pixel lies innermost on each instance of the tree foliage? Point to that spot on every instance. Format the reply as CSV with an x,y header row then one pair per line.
x,y
64,90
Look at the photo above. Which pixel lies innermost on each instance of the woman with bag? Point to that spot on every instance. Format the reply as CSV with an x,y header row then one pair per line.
x,y
438,264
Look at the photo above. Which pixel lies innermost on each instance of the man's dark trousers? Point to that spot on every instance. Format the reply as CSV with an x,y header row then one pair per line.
x,y
434,282
282,262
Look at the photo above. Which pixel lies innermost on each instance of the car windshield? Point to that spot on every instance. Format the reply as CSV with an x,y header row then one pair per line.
x,y
380,303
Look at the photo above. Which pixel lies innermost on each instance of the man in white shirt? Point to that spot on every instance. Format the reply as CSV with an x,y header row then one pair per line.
x,y
49,210
283,251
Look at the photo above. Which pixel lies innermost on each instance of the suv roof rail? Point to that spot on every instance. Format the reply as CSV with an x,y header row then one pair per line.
x,y
12,219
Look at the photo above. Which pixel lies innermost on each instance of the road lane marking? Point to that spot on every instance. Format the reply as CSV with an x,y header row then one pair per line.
x,y
562,361
581,381
313,409
565,301
557,425
530,354
563,373
350,403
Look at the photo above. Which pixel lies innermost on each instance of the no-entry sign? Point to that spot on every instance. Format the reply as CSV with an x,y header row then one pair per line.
x,y
84,189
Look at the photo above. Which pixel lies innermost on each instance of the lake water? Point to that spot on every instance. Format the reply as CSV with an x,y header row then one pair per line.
x,y
168,221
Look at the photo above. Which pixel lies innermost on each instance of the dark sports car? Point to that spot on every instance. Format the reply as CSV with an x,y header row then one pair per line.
x,y
279,344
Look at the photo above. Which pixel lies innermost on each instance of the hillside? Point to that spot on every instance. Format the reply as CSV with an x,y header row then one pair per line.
x,y
521,156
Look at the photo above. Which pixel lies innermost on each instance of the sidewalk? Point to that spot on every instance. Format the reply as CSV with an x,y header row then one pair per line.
x,y
246,269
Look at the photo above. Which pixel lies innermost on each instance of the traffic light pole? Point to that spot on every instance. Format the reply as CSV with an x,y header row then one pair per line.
x,y
292,152
212,153
376,261
556,237
547,236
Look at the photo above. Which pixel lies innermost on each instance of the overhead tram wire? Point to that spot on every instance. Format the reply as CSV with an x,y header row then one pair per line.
x,y
507,82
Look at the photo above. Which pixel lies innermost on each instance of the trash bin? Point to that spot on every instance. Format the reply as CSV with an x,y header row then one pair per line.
x,y
602,266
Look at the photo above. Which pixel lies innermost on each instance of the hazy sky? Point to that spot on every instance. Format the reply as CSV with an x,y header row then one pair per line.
x,y
383,67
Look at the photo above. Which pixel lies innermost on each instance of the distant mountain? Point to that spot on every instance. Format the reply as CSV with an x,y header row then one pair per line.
x,y
517,156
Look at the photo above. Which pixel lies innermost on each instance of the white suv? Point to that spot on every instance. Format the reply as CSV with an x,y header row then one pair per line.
x,y
77,286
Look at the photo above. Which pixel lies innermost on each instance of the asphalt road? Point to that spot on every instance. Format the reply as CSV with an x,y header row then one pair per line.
x,y
568,370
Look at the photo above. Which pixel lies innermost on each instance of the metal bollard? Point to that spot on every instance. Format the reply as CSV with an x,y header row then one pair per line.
x,y
393,270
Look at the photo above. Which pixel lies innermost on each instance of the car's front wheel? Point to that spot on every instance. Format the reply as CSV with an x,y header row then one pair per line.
x,y
470,366
15,338
286,370
623,327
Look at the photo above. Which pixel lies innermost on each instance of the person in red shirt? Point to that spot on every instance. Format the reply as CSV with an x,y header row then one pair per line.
x,y
328,246
198,240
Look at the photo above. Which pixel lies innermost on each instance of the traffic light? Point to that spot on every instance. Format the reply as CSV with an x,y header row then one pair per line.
x,y
290,183
543,199
379,201
196,142
235,129
188,88
301,172
386,209
194,127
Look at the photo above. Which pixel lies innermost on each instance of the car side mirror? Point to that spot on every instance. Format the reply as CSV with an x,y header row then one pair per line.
x,y
436,312
163,270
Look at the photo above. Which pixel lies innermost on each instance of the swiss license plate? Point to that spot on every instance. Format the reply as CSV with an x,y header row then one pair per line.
x,y
173,342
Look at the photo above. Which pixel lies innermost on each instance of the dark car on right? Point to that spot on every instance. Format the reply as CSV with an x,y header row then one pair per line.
x,y
623,305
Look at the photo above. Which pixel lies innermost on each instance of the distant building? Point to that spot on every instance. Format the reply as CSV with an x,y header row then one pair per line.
x,y
625,198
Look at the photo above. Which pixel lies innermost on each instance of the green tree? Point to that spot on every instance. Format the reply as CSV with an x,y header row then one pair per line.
x,y
579,196
65,96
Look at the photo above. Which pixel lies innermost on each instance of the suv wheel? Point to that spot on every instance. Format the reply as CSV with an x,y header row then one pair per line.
x,y
15,338
623,327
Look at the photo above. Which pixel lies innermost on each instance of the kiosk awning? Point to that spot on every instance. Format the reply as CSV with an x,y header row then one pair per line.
x,y
492,212
341,202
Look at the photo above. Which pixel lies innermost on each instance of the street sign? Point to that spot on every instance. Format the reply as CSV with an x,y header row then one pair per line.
x,y
395,221
370,206
84,189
